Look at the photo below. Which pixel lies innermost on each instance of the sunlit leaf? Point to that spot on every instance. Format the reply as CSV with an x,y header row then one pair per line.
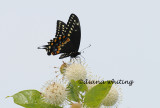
x,y
73,94
94,96
31,99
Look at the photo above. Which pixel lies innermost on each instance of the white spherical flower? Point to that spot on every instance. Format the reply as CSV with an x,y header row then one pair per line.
x,y
75,71
112,98
54,93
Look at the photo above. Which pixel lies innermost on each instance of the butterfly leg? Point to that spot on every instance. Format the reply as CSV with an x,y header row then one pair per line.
x,y
72,60
78,59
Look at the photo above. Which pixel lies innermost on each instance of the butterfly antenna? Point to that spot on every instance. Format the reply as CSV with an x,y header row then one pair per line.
x,y
86,47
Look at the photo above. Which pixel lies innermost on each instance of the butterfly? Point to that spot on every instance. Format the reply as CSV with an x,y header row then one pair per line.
x,y
67,39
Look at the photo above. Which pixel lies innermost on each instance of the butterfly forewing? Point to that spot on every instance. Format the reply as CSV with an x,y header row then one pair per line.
x,y
73,32
54,46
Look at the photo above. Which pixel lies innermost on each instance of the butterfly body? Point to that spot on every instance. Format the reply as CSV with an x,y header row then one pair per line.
x,y
72,55
67,39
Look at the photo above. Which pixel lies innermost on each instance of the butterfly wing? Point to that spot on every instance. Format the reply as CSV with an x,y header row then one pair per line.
x,y
53,46
60,29
73,34
67,38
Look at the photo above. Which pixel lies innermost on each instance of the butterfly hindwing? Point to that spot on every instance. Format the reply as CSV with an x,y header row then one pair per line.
x,y
54,45
60,30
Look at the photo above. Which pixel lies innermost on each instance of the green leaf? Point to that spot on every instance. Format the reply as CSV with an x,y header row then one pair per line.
x,y
94,96
82,86
31,99
75,89
73,94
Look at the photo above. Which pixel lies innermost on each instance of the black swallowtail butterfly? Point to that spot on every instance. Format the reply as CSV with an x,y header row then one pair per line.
x,y
67,39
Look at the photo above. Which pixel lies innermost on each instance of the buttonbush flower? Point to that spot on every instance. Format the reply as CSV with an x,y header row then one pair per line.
x,y
76,71
112,98
54,93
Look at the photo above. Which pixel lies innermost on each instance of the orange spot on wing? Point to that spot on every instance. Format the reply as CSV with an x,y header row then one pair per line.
x,y
59,49
64,36
59,38
55,40
68,40
51,43
57,52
